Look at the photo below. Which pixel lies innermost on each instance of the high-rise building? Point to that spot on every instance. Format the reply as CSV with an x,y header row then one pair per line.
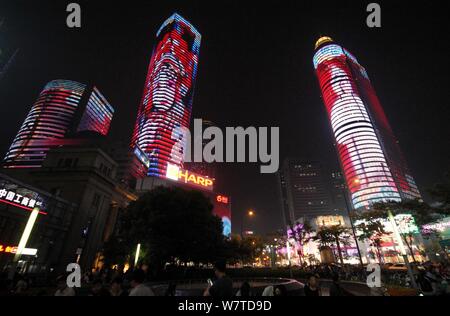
x,y
338,192
370,157
165,110
305,192
62,109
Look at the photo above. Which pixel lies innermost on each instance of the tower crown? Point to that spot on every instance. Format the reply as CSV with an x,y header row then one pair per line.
x,y
323,40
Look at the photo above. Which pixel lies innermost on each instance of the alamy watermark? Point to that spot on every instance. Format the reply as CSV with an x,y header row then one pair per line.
x,y
235,144
374,18
74,18
74,277
374,277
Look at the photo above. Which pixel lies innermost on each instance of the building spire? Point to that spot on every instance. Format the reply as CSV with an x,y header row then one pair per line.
x,y
322,40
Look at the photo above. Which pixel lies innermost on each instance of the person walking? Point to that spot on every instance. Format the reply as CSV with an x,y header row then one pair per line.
x,y
245,289
335,288
116,288
223,286
312,287
138,288
62,288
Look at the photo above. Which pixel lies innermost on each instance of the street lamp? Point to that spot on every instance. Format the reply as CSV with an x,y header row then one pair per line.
x,y
249,214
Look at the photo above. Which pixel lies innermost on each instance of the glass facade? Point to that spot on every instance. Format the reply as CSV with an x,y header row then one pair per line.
x,y
370,157
165,110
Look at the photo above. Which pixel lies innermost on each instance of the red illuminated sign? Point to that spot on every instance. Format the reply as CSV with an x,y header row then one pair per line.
x,y
13,250
222,199
7,249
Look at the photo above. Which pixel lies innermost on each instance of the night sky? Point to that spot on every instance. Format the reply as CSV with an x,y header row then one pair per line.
x,y
255,70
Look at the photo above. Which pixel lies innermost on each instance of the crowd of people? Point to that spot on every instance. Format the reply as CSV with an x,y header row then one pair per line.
x,y
433,279
319,280
97,283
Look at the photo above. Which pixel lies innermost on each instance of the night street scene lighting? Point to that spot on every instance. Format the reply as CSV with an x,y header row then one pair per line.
x,y
224,154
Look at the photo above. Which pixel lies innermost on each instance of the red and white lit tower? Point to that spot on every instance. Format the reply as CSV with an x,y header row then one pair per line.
x,y
62,109
165,110
371,160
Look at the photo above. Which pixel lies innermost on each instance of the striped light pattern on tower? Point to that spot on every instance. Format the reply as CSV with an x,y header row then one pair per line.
x,y
98,114
52,117
370,157
165,110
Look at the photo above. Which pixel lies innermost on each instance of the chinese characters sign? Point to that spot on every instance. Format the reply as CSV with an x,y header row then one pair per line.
x,y
13,194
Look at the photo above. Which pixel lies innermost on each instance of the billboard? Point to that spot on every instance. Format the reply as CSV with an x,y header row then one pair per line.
x,y
190,178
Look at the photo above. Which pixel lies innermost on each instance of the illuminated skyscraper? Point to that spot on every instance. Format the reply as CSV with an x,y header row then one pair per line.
x,y
371,160
62,109
165,110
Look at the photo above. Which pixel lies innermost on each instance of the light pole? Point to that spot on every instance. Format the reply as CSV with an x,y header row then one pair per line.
x,y
344,192
249,214
402,248
23,241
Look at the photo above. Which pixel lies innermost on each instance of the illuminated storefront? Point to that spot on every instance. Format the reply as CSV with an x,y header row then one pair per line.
x,y
330,220
442,228
165,110
389,249
371,160
60,110
437,233
44,247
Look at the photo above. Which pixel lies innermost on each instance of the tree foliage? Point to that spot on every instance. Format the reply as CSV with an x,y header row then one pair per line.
x,y
172,225
333,235
441,192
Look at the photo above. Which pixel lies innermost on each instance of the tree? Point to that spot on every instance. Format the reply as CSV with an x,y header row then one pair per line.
x,y
369,226
302,235
242,250
172,225
441,192
333,235
421,213
372,226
